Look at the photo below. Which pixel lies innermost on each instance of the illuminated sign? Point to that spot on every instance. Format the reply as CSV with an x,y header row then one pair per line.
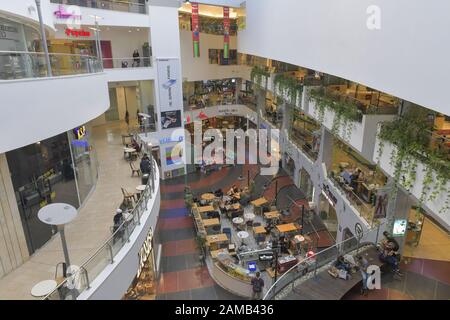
x,y
252,266
170,140
145,251
79,132
61,13
399,227
77,33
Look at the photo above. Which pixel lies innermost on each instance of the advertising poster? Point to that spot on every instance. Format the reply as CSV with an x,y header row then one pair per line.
x,y
226,32
169,87
171,119
195,30
173,156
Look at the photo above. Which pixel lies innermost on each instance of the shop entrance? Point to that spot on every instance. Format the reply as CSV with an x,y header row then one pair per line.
x,y
306,184
328,215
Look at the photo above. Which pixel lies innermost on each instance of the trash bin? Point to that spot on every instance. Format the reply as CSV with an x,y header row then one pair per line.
x,y
144,178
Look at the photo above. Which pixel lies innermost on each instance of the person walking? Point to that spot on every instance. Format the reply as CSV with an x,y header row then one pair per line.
x,y
257,286
127,119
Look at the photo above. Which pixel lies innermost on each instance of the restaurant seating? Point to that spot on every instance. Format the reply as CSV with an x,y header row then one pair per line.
x,y
128,196
134,170
227,231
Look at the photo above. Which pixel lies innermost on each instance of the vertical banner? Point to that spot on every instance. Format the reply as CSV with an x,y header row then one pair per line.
x,y
195,30
226,32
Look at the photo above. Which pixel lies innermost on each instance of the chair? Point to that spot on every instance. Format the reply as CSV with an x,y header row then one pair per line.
x,y
227,231
256,224
127,196
134,170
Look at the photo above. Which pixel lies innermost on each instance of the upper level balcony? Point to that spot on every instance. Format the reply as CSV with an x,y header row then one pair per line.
x,y
71,92
305,133
135,6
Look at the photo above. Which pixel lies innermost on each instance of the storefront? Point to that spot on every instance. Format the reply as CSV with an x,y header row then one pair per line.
x,y
143,286
306,184
62,168
327,212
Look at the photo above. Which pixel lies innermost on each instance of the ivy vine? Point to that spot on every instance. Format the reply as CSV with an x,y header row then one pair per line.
x,y
412,137
257,74
346,113
288,86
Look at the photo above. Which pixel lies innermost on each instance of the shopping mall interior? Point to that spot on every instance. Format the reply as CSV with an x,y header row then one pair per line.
x,y
224,150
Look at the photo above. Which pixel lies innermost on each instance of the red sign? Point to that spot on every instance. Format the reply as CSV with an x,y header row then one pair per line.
x,y
77,33
195,30
226,32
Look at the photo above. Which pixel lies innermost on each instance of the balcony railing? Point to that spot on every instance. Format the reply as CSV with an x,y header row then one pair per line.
x,y
117,5
22,64
310,149
113,63
309,267
80,280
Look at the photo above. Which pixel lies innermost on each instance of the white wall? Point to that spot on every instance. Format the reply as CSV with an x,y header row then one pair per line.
x,y
26,10
40,108
198,69
109,17
406,58
433,207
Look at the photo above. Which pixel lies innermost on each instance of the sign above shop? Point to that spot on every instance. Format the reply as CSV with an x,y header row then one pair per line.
x,y
61,13
77,33
79,132
170,140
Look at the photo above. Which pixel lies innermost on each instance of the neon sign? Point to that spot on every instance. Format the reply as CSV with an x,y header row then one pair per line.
x,y
77,33
79,132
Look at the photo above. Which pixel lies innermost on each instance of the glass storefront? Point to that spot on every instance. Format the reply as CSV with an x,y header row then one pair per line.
x,y
44,172
327,213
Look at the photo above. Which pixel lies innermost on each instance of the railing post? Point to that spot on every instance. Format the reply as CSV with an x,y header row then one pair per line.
x,y
86,276
315,267
111,256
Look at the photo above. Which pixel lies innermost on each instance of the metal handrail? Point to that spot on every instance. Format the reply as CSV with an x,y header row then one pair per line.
x,y
97,4
50,53
314,257
146,194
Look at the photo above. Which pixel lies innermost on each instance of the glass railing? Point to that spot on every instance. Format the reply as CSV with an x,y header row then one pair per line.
x,y
110,63
311,149
291,280
200,101
117,5
364,209
21,64
81,278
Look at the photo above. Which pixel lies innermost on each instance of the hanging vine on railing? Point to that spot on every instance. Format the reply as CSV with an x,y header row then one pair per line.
x,y
284,85
346,113
412,138
257,74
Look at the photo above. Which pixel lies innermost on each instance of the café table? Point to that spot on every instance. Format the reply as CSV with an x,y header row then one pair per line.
x,y
288,227
43,288
249,216
213,240
208,196
272,215
211,222
128,151
140,187
204,209
259,202
242,235
238,220
259,230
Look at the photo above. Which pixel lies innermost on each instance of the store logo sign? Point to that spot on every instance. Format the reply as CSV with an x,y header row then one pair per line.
x,y
145,251
170,140
72,12
79,132
77,33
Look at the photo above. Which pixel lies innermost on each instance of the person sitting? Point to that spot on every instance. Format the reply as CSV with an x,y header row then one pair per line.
x,y
135,145
145,165
342,264
389,252
354,177
218,193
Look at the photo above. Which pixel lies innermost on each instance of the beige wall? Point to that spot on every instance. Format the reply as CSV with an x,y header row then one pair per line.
x,y
13,247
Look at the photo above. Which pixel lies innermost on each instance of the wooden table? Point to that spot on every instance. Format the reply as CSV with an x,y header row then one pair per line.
x,y
287,227
211,222
208,196
205,209
259,230
272,214
215,253
216,239
259,202
235,206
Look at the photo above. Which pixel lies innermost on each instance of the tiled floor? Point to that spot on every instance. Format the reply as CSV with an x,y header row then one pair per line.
x,y
92,226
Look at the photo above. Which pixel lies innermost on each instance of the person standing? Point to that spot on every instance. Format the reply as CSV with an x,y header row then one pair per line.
x,y
257,286
127,118
363,264
136,59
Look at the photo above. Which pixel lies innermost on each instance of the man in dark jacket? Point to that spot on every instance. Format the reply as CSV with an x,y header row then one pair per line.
x,y
145,165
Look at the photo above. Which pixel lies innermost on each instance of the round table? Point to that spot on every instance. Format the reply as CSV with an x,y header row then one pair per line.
x,y
208,196
128,151
141,187
238,220
43,288
249,216
242,235
57,214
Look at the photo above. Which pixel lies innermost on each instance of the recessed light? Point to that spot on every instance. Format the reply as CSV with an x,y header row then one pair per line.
x,y
129,30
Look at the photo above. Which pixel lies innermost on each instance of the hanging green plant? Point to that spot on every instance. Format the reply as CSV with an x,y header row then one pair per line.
x,y
257,74
411,136
286,86
346,112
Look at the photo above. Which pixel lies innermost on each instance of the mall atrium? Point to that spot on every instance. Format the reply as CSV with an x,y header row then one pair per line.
x,y
224,150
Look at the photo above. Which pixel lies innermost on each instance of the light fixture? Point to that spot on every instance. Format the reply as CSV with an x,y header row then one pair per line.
x,y
138,29
129,30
